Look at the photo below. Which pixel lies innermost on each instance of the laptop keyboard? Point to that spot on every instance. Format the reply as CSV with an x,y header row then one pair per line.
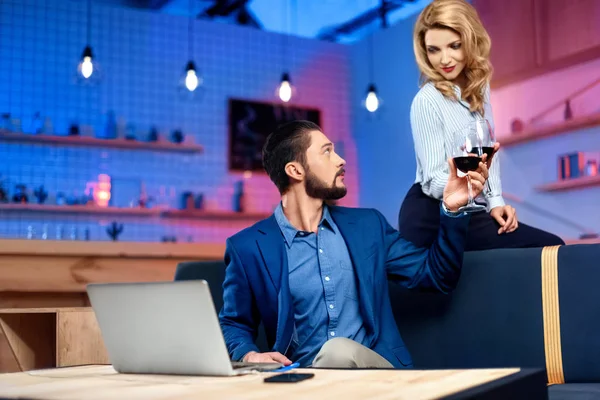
x,y
258,366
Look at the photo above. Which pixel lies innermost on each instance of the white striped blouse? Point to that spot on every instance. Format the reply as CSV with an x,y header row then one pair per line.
x,y
434,118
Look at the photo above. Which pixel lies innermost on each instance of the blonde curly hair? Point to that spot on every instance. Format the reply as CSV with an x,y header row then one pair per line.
x,y
462,18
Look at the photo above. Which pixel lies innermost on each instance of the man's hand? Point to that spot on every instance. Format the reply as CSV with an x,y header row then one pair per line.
x,y
456,192
507,218
277,357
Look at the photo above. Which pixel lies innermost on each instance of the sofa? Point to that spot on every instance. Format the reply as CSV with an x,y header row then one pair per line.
x,y
537,307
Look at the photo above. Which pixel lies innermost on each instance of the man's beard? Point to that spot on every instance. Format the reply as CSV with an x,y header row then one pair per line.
x,y
318,190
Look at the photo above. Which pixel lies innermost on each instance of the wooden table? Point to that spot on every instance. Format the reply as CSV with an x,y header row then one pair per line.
x,y
48,274
102,382
52,337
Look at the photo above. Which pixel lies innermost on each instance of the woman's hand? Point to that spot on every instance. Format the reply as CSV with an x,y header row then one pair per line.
x,y
506,216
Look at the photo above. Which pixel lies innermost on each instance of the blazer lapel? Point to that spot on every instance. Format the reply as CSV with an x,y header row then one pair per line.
x,y
271,246
356,247
272,249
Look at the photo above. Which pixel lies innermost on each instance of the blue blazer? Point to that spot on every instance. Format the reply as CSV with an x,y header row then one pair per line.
x,y
256,286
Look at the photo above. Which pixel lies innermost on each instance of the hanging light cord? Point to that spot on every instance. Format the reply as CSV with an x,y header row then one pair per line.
x,y
89,19
190,31
293,23
370,49
285,36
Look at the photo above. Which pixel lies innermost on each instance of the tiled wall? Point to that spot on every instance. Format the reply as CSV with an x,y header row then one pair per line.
x,y
141,56
383,139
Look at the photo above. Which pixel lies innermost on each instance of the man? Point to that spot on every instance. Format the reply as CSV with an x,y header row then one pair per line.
x,y
316,275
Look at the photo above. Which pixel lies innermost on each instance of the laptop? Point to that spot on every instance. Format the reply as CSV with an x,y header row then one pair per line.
x,y
164,328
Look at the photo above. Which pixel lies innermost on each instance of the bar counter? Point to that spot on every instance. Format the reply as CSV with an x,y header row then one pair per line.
x,y
50,274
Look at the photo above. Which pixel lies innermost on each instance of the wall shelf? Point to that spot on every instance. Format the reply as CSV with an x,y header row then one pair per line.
x,y
582,241
78,209
213,215
148,212
568,184
535,133
120,143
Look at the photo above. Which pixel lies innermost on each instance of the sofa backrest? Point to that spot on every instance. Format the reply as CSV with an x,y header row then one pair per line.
x,y
492,319
213,272
495,316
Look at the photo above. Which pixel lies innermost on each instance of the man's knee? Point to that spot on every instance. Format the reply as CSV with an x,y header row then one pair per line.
x,y
336,353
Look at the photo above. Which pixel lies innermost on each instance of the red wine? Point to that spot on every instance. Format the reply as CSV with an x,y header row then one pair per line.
x,y
466,164
483,150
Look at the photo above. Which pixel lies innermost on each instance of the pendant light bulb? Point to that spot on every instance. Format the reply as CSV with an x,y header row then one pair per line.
x,y
372,101
191,79
285,88
86,66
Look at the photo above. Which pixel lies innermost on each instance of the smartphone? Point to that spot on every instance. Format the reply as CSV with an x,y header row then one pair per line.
x,y
288,378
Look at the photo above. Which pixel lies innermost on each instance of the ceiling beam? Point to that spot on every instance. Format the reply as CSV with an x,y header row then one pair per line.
x,y
157,4
223,8
362,20
247,18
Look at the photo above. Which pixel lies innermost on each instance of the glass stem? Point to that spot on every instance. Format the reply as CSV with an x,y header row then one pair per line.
x,y
487,189
470,190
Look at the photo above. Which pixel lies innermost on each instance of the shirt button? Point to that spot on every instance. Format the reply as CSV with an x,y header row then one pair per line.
x,y
322,228
332,333
320,250
327,278
331,306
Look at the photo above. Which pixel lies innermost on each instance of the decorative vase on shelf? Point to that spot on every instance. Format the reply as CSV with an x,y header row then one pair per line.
x,y
516,126
568,110
40,194
74,130
20,195
3,195
110,126
47,129
61,199
238,197
177,136
153,136
36,125
187,201
6,123
199,202
130,132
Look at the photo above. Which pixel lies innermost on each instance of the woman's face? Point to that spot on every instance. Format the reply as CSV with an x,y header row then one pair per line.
x,y
445,52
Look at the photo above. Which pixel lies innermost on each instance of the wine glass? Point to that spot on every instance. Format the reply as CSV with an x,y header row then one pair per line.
x,y
488,140
467,150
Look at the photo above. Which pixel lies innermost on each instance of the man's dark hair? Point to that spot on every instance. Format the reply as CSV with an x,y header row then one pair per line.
x,y
287,143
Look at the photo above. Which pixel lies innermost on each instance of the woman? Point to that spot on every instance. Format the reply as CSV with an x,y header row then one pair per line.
x,y
452,51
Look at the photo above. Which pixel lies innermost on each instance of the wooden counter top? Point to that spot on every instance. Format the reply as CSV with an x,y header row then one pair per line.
x,y
96,381
197,251
48,266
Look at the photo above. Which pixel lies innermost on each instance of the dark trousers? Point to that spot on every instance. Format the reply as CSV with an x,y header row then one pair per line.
x,y
419,222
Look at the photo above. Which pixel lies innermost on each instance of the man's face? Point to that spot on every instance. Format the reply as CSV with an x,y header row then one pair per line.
x,y
324,170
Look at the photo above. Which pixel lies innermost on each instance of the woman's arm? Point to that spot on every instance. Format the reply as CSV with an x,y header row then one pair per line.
x,y
428,136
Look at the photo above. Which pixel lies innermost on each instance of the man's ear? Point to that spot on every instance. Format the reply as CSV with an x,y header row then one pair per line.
x,y
295,171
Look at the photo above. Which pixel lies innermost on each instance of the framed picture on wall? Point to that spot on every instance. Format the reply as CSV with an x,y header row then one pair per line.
x,y
250,122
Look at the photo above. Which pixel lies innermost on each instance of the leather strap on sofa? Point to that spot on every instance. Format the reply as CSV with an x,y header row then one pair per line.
x,y
551,313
